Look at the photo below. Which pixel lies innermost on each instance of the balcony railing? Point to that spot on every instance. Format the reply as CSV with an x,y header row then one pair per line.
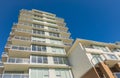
x,y
53,29
50,24
4,54
30,31
22,38
23,48
67,44
38,41
18,60
14,76
24,30
7,46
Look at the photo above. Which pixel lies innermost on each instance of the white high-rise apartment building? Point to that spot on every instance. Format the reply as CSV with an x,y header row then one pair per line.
x,y
36,47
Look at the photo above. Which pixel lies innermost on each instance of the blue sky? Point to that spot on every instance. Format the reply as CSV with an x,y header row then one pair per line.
x,y
88,19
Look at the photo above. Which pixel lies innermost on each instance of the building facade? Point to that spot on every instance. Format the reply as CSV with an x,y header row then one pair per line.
x,y
91,59
37,47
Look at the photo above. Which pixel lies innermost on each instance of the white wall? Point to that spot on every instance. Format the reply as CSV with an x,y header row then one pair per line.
x,y
79,62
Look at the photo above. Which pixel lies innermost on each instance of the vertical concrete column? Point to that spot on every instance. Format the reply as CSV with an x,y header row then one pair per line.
x,y
46,33
49,49
50,60
45,27
106,70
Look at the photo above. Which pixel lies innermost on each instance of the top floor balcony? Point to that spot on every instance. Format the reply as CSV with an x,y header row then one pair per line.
x,y
98,49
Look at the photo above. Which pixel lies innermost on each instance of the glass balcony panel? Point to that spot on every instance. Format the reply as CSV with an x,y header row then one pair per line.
x,y
7,76
18,60
11,60
39,60
16,76
20,47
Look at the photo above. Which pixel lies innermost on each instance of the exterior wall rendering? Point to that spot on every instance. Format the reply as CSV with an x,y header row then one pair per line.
x,y
37,47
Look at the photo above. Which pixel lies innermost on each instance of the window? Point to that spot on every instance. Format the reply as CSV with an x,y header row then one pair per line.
x,y
38,48
39,59
38,32
38,39
103,48
11,60
38,26
111,56
97,58
52,28
38,16
39,73
60,60
53,34
63,73
53,41
58,50
116,50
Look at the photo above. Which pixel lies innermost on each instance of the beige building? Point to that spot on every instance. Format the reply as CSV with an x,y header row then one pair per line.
x,y
36,47
39,46
91,59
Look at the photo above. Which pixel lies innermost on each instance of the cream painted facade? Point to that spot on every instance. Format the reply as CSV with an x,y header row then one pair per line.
x,y
37,47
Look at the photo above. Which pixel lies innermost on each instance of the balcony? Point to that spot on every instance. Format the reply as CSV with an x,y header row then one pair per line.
x,y
49,19
110,59
53,29
38,21
22,38
67,39
23,32
14,76
7,46
25,25
93,50
23,48
18,60
67,44
23,51
50,24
